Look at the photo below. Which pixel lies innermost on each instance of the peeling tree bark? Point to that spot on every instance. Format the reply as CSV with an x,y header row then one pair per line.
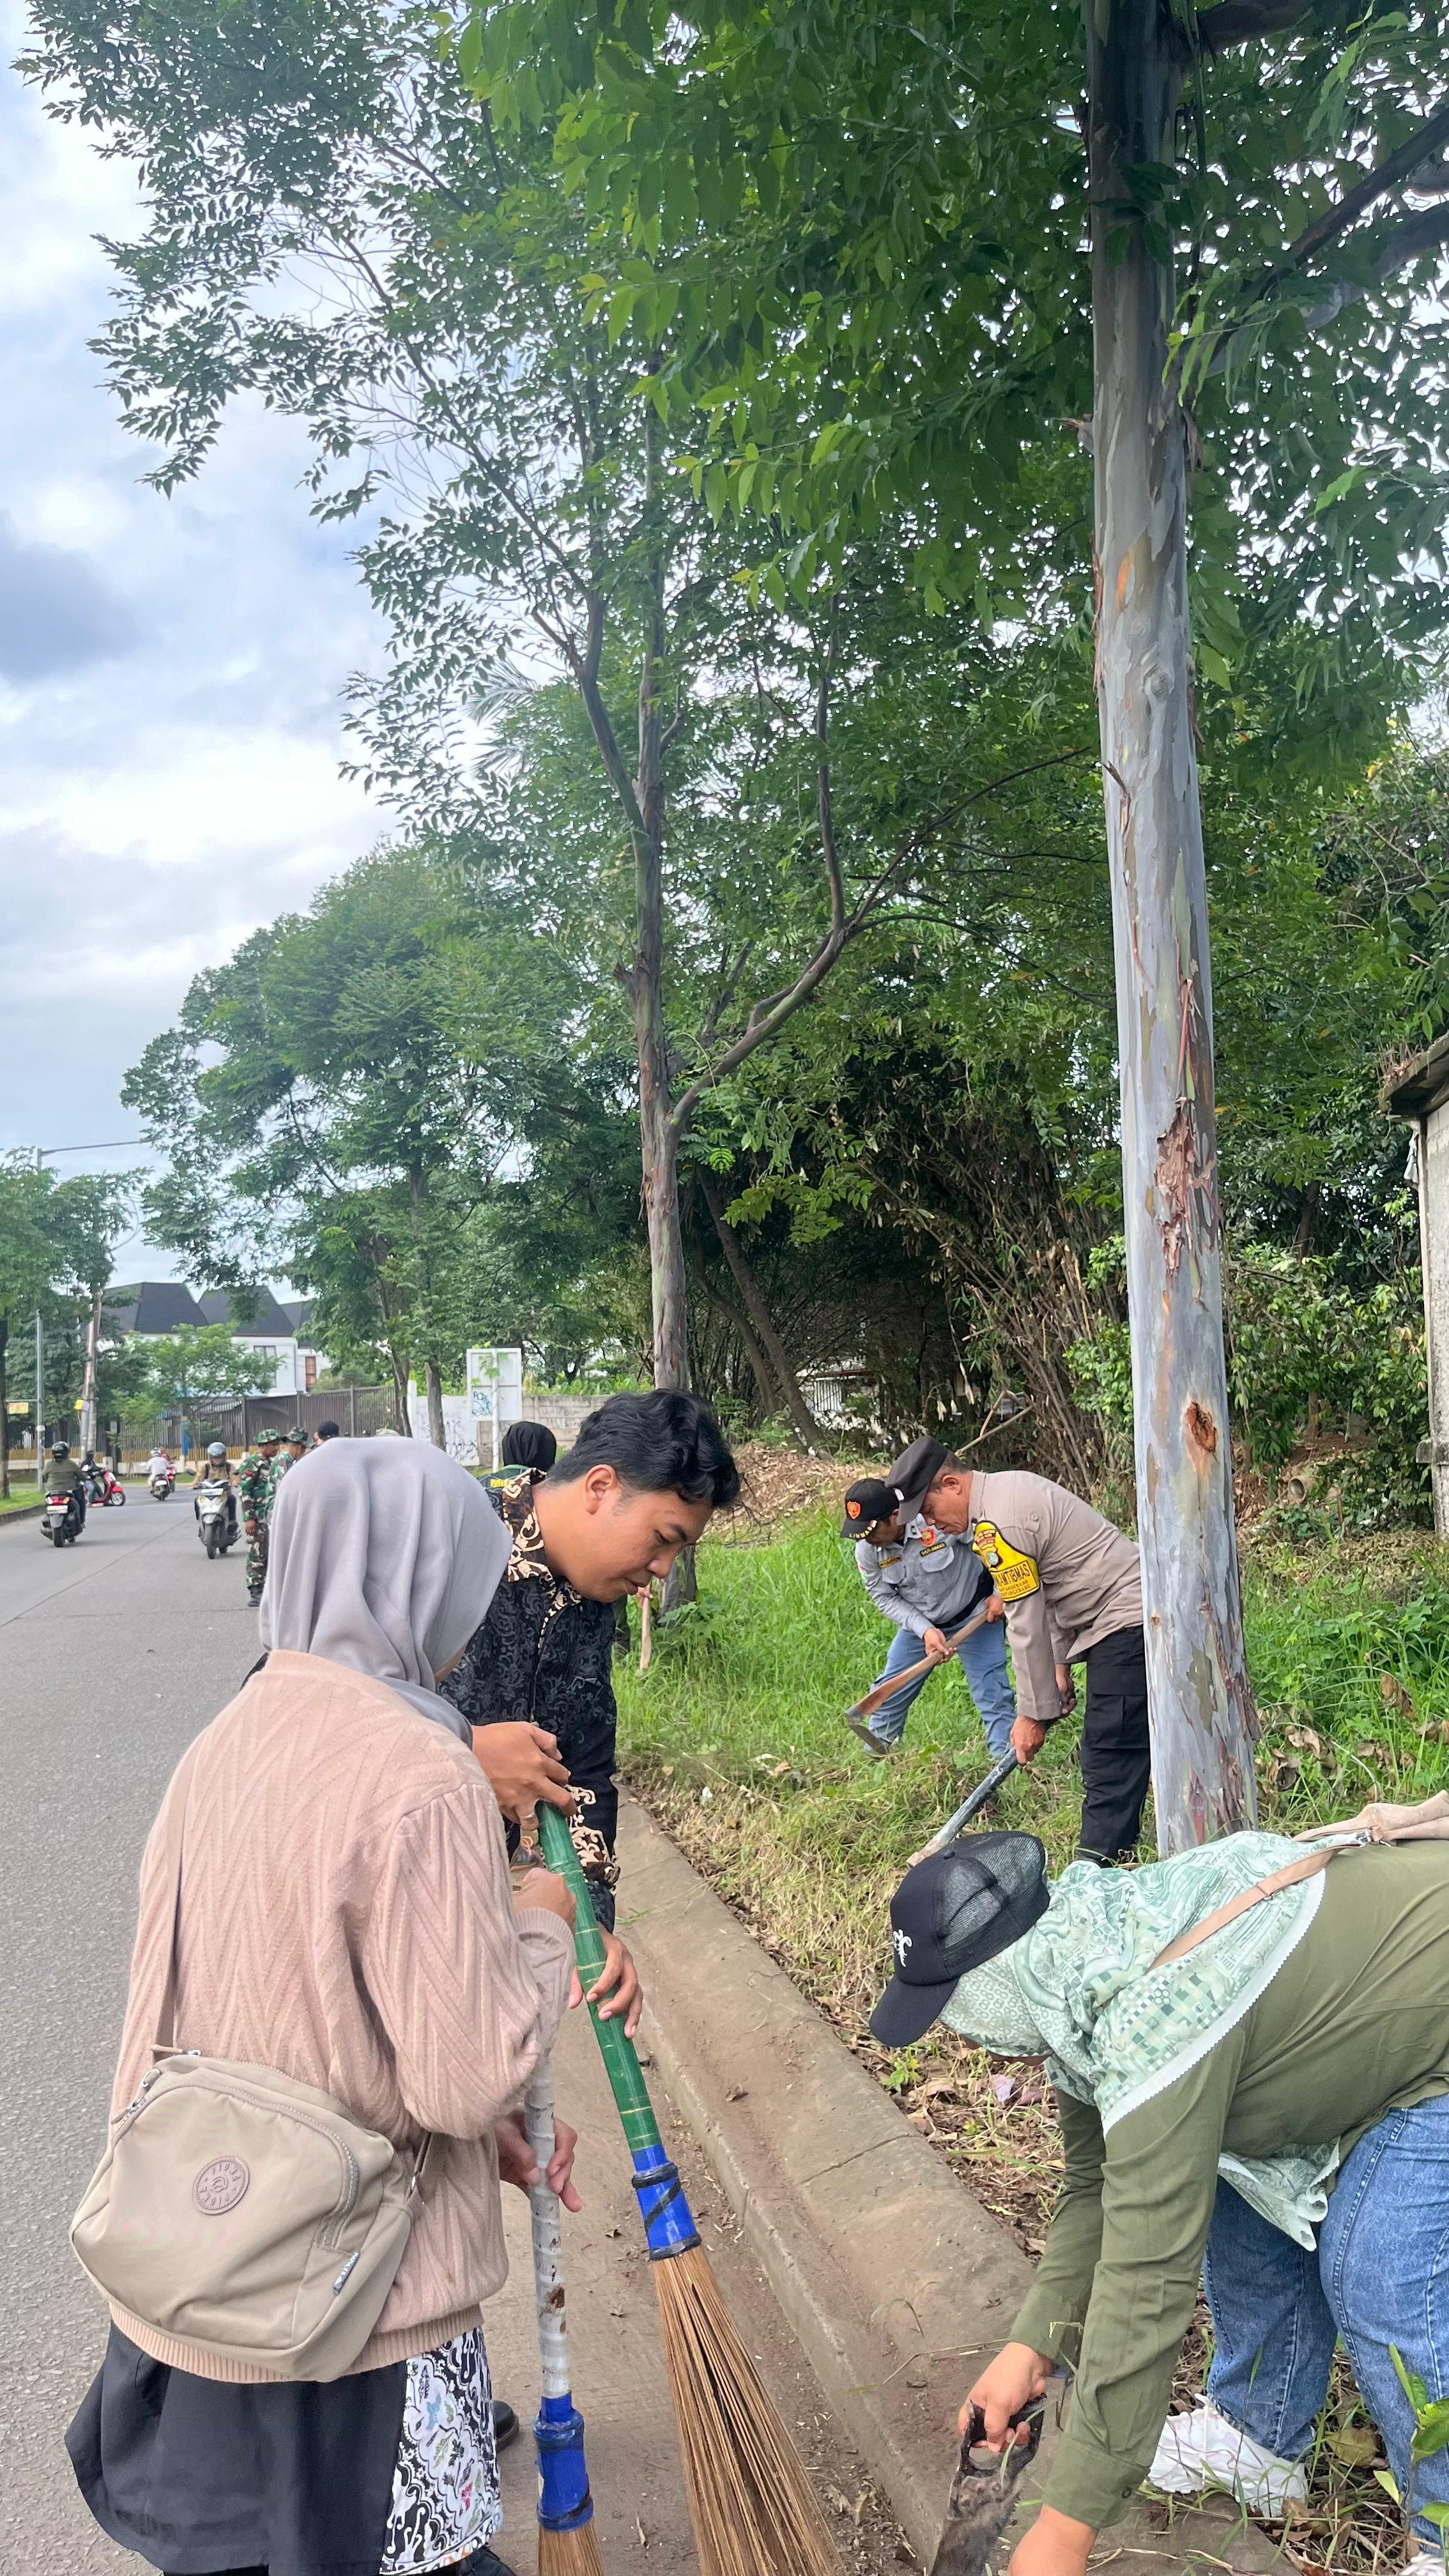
x,y
1202,1710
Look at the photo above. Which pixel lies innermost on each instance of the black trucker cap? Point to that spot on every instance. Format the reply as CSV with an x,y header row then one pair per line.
x,y
952,1913
867,1501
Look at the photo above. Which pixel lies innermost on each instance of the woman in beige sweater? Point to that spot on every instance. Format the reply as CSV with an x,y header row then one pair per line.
x,y
345,1916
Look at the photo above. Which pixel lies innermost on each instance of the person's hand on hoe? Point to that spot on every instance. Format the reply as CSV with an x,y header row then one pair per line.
x,y
1056,2545
1027,1738
936,1642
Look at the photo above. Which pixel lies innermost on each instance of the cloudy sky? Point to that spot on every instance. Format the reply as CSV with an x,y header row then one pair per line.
x,y
170,676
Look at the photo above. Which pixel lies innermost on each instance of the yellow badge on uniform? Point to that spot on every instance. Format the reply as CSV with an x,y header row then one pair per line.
x,y
1014,1574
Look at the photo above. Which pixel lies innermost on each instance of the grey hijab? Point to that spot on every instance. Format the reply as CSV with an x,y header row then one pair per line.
x,y
383,1555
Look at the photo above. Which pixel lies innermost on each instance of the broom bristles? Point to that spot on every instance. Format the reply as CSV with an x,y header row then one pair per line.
x,y
569,2553
751,2502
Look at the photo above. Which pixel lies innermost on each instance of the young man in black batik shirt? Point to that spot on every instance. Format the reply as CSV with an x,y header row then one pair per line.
x,y
639,1484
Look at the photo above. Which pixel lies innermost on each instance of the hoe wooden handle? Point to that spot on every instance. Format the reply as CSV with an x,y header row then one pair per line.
x,y
883,1691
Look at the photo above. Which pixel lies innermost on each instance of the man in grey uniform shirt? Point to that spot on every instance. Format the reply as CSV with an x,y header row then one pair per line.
x,y
926,1584
1072,1586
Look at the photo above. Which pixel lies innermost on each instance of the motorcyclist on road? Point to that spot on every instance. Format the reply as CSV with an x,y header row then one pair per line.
x,y
214,1464
159,1464
67,1476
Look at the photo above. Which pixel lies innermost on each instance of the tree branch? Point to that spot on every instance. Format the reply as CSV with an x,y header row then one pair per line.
x,y
1246,22
1407,242
1335,220
768,1017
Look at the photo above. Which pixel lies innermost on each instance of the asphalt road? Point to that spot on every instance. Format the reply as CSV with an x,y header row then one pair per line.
x,y
112,1655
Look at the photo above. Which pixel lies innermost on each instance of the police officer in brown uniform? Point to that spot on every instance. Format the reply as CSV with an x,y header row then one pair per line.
x,y
1072,1585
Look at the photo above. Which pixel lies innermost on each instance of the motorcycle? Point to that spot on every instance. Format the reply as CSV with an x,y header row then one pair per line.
x,y
163,1484
216,1524
103,1488
60,1521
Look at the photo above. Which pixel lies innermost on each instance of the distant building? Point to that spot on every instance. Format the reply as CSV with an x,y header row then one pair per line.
x,y
276,1334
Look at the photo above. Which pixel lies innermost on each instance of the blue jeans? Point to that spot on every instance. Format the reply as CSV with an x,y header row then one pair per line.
x,y
1380,2277
982,1658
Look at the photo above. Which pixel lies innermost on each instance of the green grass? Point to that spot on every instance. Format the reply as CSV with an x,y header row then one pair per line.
x,y
735,1739
1349,1653
21,1498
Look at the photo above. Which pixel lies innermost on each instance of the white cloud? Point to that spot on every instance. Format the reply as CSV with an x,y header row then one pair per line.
x,y
170,684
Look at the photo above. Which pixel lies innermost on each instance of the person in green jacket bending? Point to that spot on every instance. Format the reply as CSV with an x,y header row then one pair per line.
x,y
1277,2096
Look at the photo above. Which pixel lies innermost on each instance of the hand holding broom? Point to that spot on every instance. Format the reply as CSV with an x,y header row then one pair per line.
x,y
753,2508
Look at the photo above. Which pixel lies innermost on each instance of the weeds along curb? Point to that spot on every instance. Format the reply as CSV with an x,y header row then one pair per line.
x,y
895,2281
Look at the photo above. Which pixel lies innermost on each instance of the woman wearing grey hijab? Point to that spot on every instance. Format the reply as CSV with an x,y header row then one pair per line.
x,y
326,1892
383,1558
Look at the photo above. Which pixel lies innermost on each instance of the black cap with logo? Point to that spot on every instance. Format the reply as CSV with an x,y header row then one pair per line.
x,y
867,1501
952,1913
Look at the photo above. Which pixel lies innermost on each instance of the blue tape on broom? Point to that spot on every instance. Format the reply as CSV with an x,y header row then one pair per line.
x,y
564,2501
668,2225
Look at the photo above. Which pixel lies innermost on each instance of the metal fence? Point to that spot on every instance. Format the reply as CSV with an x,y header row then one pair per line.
x,y
357,1411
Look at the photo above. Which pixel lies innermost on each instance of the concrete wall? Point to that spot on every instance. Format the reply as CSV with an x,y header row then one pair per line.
x,y
470,1441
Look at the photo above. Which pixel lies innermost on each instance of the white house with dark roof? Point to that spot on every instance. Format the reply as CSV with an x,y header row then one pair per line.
x,y
287,1362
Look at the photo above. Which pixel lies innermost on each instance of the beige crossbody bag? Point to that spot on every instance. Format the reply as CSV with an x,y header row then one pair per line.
x,y
1376,1824
249,2218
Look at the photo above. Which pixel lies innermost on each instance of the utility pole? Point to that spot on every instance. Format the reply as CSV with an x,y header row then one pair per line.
x,y
39,1371
88,1390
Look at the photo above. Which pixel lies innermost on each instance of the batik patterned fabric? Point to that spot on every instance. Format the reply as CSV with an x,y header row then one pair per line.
x,y
445,2499
543,1653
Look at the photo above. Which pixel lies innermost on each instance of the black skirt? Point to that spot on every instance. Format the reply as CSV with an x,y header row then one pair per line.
x,y
201,2477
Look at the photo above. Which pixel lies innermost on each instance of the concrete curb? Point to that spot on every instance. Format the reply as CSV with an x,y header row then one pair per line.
x,y
894,2279
25,1512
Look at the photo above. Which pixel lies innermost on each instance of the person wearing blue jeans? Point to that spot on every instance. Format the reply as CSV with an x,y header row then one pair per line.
x,y
928,1585
982,1658
1243,2011
1378,2280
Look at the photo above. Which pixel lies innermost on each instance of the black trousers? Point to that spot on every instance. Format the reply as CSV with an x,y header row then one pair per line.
x,y
1116,1753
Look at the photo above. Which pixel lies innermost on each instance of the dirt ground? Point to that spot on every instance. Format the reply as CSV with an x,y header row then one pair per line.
x,y
778,1482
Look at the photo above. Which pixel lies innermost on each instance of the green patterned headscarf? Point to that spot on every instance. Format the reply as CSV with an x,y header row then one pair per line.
x,y
1081,1991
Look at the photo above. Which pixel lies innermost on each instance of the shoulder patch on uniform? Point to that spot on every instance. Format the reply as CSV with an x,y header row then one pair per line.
x,y
1014,1573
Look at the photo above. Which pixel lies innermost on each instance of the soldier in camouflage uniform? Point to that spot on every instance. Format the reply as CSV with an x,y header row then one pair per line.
x,y
254,1492
294,1446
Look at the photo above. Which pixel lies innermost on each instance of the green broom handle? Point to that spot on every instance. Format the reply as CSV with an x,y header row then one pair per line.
x,y
621,2065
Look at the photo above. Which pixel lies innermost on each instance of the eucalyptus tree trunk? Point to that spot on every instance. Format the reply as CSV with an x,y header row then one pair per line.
x,y
1202,1710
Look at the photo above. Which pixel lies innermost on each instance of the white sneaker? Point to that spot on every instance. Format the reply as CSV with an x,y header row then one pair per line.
x,y
1426,2562
1203,2451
